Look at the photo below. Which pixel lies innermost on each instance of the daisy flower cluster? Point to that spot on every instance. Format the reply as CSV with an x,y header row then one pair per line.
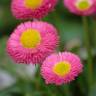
x,y
35,42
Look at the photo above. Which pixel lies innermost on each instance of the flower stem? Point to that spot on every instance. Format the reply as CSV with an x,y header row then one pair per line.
x,y
67,90
88,48
93,19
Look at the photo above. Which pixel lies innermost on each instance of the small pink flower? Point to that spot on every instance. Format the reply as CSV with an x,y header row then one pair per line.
x,y
80,7
28,9
32,42
61,68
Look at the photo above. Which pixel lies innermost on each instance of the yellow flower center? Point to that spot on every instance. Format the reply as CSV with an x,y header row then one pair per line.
x,y
33,4
62,68
83,5
30,38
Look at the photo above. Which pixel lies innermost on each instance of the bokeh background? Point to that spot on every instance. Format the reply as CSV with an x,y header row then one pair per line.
x,y
25,80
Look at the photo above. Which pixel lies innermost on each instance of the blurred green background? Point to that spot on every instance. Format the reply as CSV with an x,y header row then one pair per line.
x,y
25,80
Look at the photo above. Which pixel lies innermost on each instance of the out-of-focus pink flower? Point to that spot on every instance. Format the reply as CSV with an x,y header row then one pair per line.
x,y
80,7
28,9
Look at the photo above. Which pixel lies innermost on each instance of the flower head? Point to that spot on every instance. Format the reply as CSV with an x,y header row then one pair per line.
x,y
28,9
31,42
80,7
61,68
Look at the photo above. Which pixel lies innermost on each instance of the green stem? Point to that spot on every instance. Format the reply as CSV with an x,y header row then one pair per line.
x,y
94,29
67,90
88,48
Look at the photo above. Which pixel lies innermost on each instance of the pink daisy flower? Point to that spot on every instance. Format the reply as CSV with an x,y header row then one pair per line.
x,y
28,9
61,68
31,42
80,7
